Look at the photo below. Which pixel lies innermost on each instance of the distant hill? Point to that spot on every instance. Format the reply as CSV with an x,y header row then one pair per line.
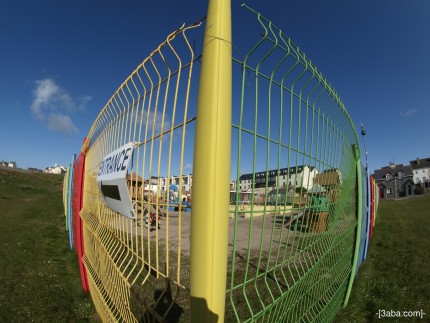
x,y
15,182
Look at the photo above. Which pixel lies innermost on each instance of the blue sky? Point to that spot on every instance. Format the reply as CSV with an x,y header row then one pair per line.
x,y
62,61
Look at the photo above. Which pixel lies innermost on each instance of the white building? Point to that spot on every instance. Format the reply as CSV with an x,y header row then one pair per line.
x,y
12,164
296,176
55,170
232,185
185,184
151,186
421,170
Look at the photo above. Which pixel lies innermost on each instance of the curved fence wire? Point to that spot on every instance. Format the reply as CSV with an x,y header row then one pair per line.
x,y
137,264
298,226
292,244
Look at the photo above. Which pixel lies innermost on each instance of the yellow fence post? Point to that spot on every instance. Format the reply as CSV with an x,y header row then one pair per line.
x,y
211,169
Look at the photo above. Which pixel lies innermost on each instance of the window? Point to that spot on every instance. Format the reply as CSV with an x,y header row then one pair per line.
x,y
388,177
388,190
424,179
423,171
416,172
400,175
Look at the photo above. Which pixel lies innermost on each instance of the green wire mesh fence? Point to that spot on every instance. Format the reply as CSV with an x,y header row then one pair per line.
x,y
293,205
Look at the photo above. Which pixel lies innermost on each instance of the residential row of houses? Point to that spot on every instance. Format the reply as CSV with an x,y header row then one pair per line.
x,y
297,176
398,180
394,180
292,178
56,169
10,164
160,186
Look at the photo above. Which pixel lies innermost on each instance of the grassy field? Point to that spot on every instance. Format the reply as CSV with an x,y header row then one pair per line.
x,y
396,275
39,274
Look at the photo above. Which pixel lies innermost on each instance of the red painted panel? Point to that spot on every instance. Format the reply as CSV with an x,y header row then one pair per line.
x,y
77,203
372,205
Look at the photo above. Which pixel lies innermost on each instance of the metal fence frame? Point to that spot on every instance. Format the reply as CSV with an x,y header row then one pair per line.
x,y
122,260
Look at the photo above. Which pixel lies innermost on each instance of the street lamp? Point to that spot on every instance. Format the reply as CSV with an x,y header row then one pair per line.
x,y
363,133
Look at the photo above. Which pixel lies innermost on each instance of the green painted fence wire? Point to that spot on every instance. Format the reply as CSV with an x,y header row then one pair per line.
x,y
286,264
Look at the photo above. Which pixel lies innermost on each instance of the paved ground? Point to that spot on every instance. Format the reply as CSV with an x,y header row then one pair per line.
x,y
250,232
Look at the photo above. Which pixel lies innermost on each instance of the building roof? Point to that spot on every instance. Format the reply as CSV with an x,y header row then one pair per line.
x,y
393,170
134,177
327,178
420,163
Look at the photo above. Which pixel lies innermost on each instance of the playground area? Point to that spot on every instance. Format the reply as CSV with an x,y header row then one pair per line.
x,y
257,228
277,247
179,222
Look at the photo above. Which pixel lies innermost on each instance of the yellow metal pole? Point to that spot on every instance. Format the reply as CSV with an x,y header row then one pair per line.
x,y
211,169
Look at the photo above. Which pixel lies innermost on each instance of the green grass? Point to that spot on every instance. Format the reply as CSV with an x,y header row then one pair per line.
x,y
39,274
396,273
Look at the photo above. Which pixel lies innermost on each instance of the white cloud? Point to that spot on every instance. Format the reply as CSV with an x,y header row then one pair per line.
x,y
61,123
53,105
409,113
44,93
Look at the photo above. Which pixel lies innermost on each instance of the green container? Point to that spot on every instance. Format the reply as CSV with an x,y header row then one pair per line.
x,y
319,204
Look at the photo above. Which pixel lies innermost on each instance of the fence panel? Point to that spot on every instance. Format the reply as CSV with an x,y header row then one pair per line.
x,y
292,246
374,201
77,202
364,220
70,227
294,219
138,263
65,195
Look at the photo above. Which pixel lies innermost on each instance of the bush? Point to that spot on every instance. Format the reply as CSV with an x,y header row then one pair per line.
x,y
418,190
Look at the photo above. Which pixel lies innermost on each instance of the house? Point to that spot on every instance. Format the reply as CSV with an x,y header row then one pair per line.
x,y
55,170
394,181
33,169
12,164
186,182
421,171
295,176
